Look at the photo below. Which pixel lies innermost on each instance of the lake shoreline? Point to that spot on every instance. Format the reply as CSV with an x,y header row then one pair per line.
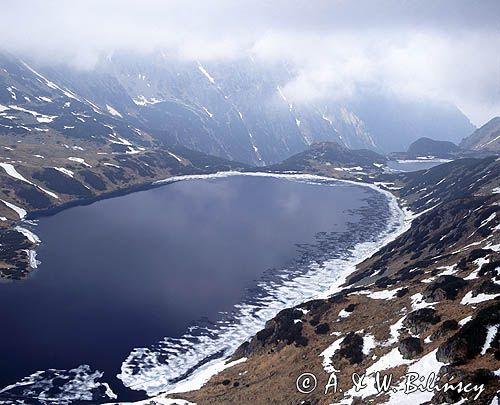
x,y
358,254
303,178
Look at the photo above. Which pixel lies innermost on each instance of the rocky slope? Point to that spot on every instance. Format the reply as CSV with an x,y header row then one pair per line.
x,y
426,303
334,160
236,110
430,147
484,139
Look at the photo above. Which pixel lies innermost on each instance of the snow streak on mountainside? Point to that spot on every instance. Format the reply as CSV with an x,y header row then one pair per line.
x,y
237,110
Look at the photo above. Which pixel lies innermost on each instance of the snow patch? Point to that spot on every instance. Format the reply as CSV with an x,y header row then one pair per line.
x,y
112,111
111,165
492,331
175,156
79,160
328,353
205,73
29,235
64,171
11,171
369,343
469,299
20,211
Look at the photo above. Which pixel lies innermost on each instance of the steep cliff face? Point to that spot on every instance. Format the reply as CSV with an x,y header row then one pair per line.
x,y
426,303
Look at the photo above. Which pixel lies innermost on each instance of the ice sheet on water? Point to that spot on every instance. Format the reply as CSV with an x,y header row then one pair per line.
x,y
61,387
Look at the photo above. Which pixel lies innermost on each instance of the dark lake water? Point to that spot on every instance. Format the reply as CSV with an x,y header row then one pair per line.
x,y
126,272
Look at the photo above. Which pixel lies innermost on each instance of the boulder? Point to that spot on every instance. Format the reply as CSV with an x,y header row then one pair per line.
x,y
419,320
444,288
410,347
280,331
351,348
322,329
475,377
486,287
469,340
444,328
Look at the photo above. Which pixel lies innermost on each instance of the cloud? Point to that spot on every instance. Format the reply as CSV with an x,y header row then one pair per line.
x,y
444,50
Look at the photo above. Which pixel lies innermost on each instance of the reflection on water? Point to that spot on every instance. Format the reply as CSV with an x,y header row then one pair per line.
x,y
126,272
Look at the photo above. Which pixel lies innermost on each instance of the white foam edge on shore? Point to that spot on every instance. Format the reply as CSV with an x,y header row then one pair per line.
x,y
300,289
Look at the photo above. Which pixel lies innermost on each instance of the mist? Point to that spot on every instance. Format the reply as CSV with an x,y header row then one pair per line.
x,y
445,51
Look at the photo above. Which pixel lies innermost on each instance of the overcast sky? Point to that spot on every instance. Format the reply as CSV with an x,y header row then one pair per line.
x,y
444,50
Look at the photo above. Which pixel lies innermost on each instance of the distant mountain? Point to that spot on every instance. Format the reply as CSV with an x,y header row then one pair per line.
x,y
336,157
484,139
397,122
232,110
236,110
430,147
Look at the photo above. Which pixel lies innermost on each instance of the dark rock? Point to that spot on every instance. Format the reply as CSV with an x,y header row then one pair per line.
x,y
316,306
462,264
226,382
489,268
486,287
444,288
410,347
448,374
314,320
409,273
402,292
322,329
419,320
383,282
350,307
282,329
444,328
33,196
477,254
468,341
351,348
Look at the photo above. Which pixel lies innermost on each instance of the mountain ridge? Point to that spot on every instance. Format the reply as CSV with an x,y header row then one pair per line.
x,y
236,110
